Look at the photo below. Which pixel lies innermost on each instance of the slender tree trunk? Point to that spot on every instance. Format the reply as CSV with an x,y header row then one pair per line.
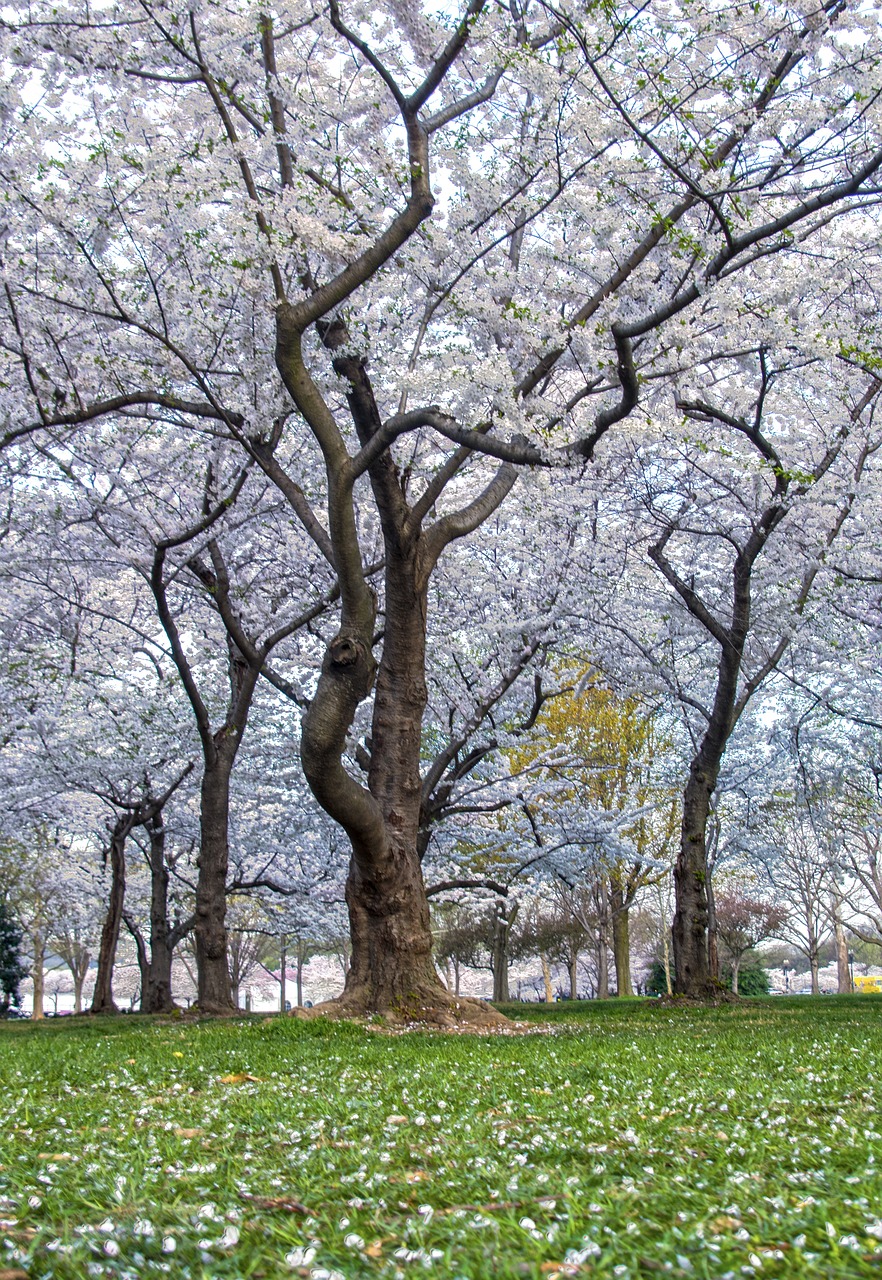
x,y
156,977
79,978
843,971
816,983
602,967
713,950
102,996
39,943
546,978
666,957
214,989
300,963
283,975
736,965
573,970
621,937
456,976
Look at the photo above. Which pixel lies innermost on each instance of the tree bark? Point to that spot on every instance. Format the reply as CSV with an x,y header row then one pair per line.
x,y
214,989
602,967
843,971
621,936
156,987
573,970
736,965
502,924
39,944
102,996
814,964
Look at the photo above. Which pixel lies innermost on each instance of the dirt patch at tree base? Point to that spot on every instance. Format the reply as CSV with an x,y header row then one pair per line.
x,y
712,998
454,1015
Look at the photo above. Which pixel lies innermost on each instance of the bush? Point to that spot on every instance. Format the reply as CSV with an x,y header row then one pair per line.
x,y
753,979
11,968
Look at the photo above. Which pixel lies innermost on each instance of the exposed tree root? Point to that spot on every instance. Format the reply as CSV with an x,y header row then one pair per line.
x,y
435,1009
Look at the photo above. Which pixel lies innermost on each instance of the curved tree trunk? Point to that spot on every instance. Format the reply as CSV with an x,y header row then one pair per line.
x,y
102,996
391,968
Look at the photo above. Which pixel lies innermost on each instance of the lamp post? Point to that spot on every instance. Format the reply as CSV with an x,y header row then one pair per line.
x,y
786,968
851,969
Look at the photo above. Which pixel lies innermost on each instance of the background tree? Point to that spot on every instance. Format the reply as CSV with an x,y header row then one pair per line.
x,y
743,922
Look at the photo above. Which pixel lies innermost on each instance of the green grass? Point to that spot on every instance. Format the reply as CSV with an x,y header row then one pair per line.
x,y
627,1140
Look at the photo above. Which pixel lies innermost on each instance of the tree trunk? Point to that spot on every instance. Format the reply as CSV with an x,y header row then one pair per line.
x,y
39,944
843,971
713,950
573,970
214,989
500,960
79,979
283,975
546,978
816,984
392,969
621,937
602,967
666,957
736,965
689,930
102,996
156,992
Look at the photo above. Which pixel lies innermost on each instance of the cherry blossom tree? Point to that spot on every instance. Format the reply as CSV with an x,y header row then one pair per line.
x,y
227,220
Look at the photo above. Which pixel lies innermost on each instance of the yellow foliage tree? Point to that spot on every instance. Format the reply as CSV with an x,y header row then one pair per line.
x,y
606,751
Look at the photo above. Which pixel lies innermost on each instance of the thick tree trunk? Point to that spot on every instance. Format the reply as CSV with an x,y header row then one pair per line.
x,y
214,990
621,936
102,996
736,965
814,964
689,930
500,959
391,967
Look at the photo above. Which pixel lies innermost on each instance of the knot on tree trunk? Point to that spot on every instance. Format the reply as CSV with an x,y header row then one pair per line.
x,y
344,651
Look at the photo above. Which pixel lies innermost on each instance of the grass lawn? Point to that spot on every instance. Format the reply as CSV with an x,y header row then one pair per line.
x,y
627,1140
